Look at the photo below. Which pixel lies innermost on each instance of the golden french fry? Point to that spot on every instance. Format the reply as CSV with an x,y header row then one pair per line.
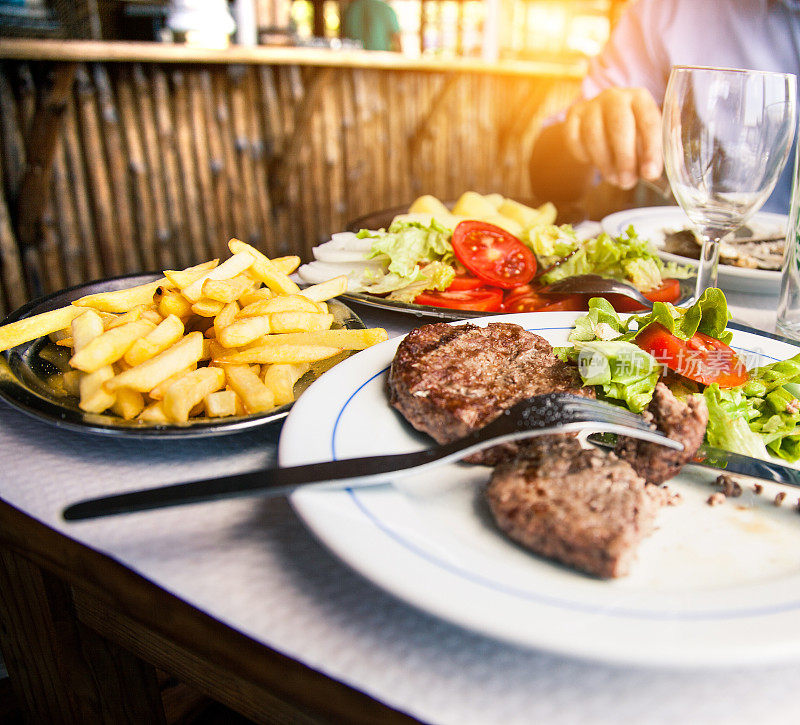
x,y
166,333
226,290
473,206
280,379
344,339
128,404
261,293
256,396
181,278
287,264
264,269
207,308
270,354
326,290
229,268
157,392
29,328
110,346
93,397
281,303
123,300
220,404
150,373
225,317
243,331
71,380
190,390
154,413
174,303
131,315
299,321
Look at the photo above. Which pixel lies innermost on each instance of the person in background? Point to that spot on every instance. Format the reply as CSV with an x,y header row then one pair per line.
x,y
374,23
614,129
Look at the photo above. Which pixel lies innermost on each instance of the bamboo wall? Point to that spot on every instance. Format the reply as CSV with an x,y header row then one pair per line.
x,y
156,165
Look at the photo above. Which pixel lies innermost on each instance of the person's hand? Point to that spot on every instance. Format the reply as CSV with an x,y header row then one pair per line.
x,y
619,132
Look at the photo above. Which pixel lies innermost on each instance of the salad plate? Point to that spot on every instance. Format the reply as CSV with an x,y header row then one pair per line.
x,y
713,586
26,375
656,222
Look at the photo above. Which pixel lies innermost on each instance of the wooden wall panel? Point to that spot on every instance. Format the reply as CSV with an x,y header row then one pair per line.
x,y
158,165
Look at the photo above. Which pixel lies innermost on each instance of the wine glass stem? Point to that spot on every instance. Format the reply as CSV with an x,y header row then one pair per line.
x,y
709,258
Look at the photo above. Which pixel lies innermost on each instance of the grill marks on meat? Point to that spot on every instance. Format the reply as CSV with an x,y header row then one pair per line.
x,y
450,380
684,422
585,508
588,509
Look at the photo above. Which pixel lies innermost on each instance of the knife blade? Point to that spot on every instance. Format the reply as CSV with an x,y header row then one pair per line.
x,y
737,463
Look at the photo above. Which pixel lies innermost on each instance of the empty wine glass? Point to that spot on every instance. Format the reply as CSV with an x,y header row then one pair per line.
x,y
727,134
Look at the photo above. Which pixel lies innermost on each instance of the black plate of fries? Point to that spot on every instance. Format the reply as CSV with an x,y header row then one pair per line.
x,y
35,375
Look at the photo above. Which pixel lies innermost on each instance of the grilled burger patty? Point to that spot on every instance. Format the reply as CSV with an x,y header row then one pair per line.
x,y
449,380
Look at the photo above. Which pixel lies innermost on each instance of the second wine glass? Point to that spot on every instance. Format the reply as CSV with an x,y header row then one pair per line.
x,y
727,135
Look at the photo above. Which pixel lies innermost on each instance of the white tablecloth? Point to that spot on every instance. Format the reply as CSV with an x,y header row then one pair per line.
x,y
253,565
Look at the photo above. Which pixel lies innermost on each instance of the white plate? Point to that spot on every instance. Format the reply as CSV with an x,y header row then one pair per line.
x,y
654,222
714,586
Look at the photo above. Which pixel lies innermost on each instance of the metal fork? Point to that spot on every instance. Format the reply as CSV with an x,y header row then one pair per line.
x,y
540,415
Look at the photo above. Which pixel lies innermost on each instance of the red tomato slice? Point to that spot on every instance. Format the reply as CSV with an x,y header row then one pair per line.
x,y
493,254
482,299
463,282
701,358
668,291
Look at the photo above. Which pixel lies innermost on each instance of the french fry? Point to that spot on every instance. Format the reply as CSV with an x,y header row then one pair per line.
x,y
270,354
154,413
128,404
261,293
326,290
71,380
344,339
131,315
144,377
280,379
473,206
232,266
256,396
243,331
226,290
299,321
207,308
122,300
166,333
264,269
174,303
281,303
181,278
287,264
110,346
87,328
225,317
157,392
190,390
29,328
220,404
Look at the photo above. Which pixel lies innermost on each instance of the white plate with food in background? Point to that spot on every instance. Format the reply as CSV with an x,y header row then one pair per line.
x,y
713,586
656,222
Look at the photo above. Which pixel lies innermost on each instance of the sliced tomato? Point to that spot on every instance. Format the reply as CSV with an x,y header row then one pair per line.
x,y
493,254
669,291
463,282
701,358
482,299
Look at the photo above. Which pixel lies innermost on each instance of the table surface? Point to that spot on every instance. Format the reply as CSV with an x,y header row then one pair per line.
x,y
253,565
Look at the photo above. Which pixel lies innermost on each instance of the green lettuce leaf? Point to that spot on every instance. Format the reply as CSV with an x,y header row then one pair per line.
x,y
409,245
728,427
624,371
433,276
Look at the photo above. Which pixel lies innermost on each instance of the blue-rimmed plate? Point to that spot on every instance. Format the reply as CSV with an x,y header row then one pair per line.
x,y
713,586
